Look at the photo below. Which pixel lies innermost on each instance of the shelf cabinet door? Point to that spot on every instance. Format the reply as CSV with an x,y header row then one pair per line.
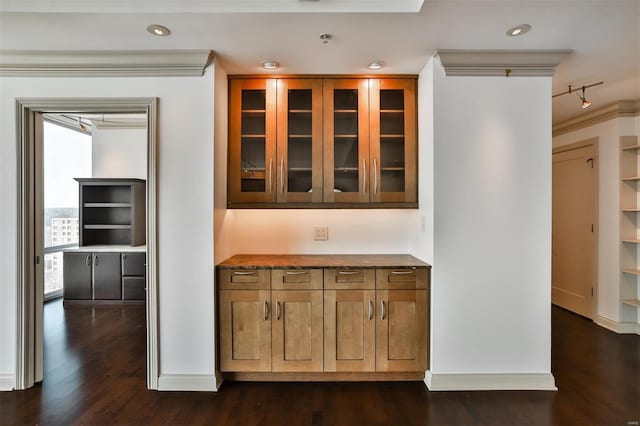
x,y
297,328
401,330
252,141
299,150
107,278
245,330
349,330
77,276
346,141
393,141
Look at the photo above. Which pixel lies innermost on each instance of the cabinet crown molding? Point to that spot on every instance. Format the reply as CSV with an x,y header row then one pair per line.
x,y
104,63
501,63
618,109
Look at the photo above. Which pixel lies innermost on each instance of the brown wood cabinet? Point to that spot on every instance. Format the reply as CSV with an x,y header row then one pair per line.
x,y
322,143
323,321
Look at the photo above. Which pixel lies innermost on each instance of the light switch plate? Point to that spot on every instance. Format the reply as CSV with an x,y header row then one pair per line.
x,y
320,233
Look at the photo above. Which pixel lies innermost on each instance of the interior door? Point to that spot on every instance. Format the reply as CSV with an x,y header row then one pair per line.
x,y
573,230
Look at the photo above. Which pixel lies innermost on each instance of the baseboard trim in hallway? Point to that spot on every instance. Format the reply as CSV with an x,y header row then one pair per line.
x,y
7,382
618,327
187,382
506,381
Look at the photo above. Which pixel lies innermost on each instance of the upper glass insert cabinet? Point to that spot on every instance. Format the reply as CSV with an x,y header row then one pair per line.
x,y
317,143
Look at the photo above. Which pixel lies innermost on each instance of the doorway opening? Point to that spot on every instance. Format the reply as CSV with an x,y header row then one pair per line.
x,y
574,228
103,212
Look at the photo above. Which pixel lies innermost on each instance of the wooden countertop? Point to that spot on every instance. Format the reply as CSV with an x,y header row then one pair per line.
x,y
298,261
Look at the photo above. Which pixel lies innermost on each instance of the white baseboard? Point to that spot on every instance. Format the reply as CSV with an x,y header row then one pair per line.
x,y
494,381
7,382
618,327
188,382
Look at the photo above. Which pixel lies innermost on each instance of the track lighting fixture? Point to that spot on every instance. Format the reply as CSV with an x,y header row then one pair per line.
x,y
583,98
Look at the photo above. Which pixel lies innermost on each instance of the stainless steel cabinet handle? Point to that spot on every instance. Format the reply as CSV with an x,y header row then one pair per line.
x,y
364,175
266,310
382,313
375,177
282,175
271,175
370,310
348,272
277,311
297,272
244,273
403,272
88,260
95,260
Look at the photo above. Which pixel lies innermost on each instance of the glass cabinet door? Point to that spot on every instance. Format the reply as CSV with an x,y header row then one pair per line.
x,y
393,141
252,136
299,173
346,139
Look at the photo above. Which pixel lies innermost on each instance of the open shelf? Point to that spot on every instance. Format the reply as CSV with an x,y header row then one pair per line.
x,y
253,136
632,302
631,271
107,205
398,136
107,226
631,178
345,111
631,240
345,136
631,148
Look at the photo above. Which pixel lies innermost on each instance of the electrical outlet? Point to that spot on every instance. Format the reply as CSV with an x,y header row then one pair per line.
x,y
320,233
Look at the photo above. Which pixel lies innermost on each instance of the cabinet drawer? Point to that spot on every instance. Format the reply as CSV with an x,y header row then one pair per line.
x,y
245,279
133,288
296,279
133,264
349,279
402,278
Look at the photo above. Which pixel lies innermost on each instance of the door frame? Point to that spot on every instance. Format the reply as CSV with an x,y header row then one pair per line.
x,y
28,112
595,144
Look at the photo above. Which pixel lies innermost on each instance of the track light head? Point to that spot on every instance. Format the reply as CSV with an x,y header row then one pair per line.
x,y
585,103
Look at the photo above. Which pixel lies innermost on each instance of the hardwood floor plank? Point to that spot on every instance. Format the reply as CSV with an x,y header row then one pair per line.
x,y
95,374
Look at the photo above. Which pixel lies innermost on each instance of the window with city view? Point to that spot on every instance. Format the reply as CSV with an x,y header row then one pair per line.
x,y
67,155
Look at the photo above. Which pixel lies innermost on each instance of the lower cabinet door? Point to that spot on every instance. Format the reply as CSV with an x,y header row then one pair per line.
x,y
77,276
349,330
133,288
401,330
297,328
107,281
245,330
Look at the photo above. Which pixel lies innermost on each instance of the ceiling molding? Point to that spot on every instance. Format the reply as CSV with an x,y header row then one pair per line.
x,y
104,63
501,63
211,6
605,113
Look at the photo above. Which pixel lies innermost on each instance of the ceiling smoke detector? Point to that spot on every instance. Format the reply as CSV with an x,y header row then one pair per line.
x,y
325,38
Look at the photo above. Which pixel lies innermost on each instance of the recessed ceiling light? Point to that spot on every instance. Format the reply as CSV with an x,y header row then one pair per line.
x,y
158,30
270,65
518,30
375,65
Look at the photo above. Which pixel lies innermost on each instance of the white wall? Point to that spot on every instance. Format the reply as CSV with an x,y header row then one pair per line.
x,y
608,134
491,298
119,153
185,218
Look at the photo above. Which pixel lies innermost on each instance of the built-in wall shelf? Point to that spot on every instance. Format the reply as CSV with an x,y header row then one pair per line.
x,y
629,226
112,211
106,227
107,205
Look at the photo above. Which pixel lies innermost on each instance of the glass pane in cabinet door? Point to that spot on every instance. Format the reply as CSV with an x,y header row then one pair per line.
x,y
299,153
253,151
392,141
345,142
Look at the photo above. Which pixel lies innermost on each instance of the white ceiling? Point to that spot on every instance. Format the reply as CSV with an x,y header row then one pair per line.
x,y
604,34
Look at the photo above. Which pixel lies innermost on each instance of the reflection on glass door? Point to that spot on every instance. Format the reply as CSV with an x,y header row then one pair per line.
x,y
392,118
253,150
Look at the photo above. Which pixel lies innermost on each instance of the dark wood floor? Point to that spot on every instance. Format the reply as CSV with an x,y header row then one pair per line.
x,y
95,374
